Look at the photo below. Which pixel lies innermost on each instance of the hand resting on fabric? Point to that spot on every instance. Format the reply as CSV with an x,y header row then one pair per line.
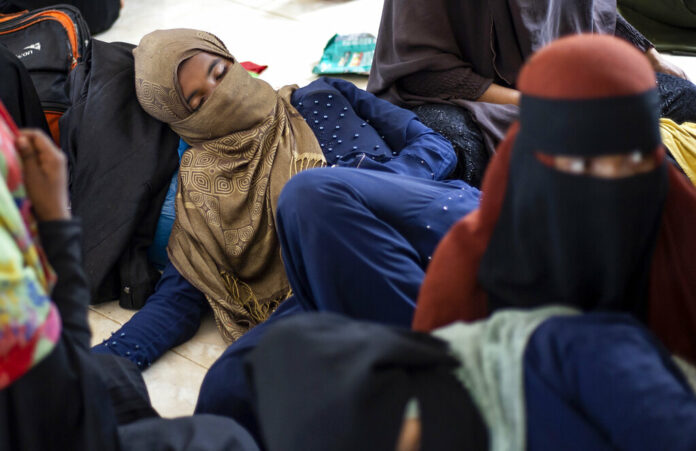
x,y
45,175
662,65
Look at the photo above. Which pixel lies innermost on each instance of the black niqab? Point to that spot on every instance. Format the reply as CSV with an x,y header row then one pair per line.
x,y
572,239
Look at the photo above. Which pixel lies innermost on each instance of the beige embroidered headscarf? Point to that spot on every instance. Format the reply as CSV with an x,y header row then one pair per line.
x,y
247,142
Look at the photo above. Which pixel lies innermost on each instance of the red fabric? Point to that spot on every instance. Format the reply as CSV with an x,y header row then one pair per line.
x,y
586,67
253,67
17,361
450,291
672,308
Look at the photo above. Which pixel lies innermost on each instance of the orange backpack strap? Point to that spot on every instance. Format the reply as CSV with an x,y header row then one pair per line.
x,y
52,117
10,16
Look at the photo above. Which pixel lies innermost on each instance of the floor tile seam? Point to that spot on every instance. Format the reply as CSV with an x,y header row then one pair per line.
x,y
174,351
105,316
272,13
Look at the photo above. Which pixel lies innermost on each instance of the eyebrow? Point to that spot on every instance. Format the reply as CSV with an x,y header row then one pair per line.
x,y
215,62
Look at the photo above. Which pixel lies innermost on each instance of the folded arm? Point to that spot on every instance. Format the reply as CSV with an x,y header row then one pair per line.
x,y
46,181
403,132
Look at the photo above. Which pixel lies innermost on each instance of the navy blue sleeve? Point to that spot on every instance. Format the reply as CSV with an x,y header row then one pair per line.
x,y
389,120
602,377
170,317
421,151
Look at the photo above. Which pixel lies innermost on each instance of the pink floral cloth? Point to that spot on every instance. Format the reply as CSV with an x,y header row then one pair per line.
x,y
29,321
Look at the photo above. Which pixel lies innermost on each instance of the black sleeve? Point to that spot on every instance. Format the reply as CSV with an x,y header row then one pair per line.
x,y
61,242
138,277
18,93
626,31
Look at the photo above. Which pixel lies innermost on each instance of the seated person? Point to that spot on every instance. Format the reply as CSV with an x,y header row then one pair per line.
x,y
535,379
456,64
54,394
580,208
248,141
579,219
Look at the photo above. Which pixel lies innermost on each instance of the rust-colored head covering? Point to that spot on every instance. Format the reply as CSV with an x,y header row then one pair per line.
x,y
247,142
594,70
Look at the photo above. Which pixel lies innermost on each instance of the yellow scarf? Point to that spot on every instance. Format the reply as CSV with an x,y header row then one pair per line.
x,y
681,142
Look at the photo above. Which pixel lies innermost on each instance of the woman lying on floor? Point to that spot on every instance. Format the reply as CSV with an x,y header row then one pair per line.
x,y
588,376
248,141
54,394
456,64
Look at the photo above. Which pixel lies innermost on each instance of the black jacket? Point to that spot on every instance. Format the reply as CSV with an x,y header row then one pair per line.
x,y
121,162
78,401
61,402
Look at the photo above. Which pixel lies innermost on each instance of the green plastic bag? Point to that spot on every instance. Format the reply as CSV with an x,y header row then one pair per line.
x,y
347,54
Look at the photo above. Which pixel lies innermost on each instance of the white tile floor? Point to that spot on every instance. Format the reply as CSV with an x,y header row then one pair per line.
x,y
287,35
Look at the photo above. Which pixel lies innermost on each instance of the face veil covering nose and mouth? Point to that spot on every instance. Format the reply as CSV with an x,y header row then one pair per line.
x,y
577,239
543,236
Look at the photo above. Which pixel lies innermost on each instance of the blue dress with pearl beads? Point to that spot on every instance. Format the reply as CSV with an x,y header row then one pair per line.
x,y
407,162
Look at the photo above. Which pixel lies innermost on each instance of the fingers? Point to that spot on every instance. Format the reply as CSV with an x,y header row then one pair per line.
x,y
25,148
35,143
679,73
37,139
45,175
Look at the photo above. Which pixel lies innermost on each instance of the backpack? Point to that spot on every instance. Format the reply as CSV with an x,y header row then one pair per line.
x,y
49,42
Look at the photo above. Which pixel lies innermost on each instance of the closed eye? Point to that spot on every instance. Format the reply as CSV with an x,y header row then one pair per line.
x,y
216,71
222,74
200,104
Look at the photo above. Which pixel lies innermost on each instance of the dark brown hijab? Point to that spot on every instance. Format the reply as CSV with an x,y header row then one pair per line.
x,y
492,39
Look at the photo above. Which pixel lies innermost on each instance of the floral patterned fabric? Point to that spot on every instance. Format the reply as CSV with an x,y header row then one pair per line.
x,y
29,321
